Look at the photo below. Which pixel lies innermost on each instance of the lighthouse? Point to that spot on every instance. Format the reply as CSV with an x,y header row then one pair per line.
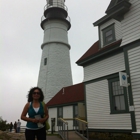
x,y
55,68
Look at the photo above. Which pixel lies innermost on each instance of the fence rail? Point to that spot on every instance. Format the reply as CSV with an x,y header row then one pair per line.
x,y
22,129
63,128
56,4
80,127
67,18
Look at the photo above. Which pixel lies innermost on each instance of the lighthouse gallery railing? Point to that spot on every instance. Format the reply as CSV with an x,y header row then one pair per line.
x,y
55,4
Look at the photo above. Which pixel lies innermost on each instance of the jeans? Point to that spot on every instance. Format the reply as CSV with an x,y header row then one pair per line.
x,y
39,133
18,129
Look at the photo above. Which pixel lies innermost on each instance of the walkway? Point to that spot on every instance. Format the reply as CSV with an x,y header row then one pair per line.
x,y
53,138
21,136
72,136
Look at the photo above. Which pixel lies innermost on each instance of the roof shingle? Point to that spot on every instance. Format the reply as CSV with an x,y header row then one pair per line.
x,y
67,95
95,49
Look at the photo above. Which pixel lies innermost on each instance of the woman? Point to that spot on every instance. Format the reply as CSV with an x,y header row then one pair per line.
x,y
11,126
15,127
37,115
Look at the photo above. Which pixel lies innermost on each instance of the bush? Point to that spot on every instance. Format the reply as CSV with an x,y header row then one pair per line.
x,y
3,125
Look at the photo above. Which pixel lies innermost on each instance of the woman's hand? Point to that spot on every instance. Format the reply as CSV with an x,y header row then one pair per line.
x,y
35,121
42,120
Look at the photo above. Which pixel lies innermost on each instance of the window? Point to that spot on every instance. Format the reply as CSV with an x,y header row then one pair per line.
x,y
75,114
59,114
118,97
108,35
45,61
50,2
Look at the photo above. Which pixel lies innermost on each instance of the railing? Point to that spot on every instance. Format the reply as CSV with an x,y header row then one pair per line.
x,y
67,18
22,129
56,4
63,128
59,4
81,128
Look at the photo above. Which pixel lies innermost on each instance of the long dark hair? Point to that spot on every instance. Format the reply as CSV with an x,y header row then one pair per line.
x,y
29,96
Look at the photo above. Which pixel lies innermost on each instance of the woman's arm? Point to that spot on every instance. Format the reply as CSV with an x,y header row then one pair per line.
x,y
24,113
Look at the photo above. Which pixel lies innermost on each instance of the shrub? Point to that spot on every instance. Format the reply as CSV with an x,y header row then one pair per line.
x,y
3,125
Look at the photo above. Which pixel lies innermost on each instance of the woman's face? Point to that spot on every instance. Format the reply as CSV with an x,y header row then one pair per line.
x,y
36,94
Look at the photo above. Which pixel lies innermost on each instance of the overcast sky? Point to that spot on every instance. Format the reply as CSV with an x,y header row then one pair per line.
x,y
21,37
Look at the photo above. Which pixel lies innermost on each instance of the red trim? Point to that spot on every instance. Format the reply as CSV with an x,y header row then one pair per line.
x,y
95,49
66,95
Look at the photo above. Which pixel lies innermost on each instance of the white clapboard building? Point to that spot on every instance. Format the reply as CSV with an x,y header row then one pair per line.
x,y
111,107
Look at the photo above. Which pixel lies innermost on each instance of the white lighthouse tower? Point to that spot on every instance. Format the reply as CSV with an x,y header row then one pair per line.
x,y
55,67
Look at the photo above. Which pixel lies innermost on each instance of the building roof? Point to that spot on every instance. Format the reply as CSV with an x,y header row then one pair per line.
x,y
112,4
96,50
68,95
115,10
92,50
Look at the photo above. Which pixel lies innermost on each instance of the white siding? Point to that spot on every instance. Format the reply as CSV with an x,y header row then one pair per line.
x,y
117,25
98,109
131,23
105,67
68,113
134,65
53,114
81,110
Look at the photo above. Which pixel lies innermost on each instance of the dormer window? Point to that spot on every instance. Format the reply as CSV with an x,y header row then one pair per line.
x,y
108,35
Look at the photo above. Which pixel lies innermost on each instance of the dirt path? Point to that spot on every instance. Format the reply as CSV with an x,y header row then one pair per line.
x,y
11,136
